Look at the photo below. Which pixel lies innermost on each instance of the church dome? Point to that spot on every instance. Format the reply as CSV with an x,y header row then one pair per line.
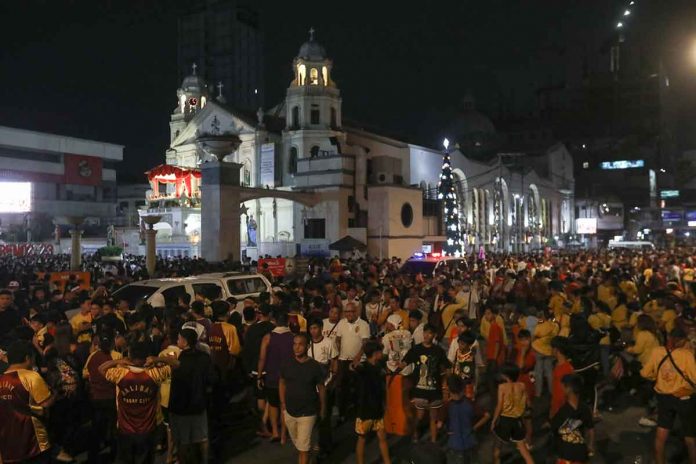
x,y
193,84
473,131
312,50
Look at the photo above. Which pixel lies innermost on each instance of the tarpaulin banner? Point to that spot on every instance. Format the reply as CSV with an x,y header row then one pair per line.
x,y
275,265
26,249
83,170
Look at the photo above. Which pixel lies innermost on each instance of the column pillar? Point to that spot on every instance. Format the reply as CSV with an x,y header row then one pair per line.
x,y
220,199
151,244
75,248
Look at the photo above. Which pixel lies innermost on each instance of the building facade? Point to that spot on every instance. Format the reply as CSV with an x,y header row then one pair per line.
x,y
45,177
373,188
223,39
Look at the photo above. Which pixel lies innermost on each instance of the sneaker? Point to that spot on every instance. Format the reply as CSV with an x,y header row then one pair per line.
x,y
647,422
64,457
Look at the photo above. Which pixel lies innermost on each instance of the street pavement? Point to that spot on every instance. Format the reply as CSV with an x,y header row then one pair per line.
x,y
619,440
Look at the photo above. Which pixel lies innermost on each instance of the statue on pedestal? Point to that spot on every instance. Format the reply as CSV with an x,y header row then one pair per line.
x,y
251,231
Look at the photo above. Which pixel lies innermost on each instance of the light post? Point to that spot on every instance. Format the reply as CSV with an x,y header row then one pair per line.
x,y
75,243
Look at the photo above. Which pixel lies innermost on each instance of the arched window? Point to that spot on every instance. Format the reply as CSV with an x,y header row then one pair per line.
x,y
301,74
334,120
295,117
314,76
325,75
314,152
314,115
292,161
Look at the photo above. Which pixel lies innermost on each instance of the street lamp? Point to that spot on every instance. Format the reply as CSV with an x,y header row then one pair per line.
x,y
445,143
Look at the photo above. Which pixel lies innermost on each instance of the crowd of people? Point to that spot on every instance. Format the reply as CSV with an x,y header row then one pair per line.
x,y
528,350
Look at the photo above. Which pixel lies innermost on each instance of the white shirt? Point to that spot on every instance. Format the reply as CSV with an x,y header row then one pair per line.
x,y
329,329
324,351
352,335
418,334
396,345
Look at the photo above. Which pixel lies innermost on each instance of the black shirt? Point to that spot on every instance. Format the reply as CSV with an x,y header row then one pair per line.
x,y
252,344
111,323
301,380
9,320
371,391
429,365
569,426
190,382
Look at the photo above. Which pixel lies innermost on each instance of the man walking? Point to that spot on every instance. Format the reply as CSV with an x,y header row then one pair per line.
x,y
302,395
188,399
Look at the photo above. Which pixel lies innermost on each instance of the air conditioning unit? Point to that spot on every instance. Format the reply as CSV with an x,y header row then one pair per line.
x,y
383,177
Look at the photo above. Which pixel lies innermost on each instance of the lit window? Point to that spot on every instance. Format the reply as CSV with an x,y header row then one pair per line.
x,y
325,75
585,165
301,74
314,76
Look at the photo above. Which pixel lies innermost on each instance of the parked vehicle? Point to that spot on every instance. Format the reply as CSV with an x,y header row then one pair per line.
x,y
429,263
212,286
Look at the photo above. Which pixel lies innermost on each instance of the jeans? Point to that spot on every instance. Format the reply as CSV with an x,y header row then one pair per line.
x,y
325,433
103,430
543,369
136,449
345,387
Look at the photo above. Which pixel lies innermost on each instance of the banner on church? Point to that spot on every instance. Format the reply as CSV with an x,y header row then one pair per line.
x,y
267,168
82,170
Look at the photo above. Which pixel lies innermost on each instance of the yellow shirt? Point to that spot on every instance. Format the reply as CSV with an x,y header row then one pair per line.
x,y
39,392
564,321
605,294
629,289
166,387
543,333
77,321
557,304
667,319
619,316
645,344
600,321
514,399
667,380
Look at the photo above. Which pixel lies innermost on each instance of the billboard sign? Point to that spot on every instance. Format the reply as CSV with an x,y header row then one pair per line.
x,y
586,225
622,164
671,216
26,249
267,165
82,170
15,197
669,194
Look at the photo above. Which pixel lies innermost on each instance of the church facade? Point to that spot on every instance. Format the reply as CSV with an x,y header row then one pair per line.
x,y
379,191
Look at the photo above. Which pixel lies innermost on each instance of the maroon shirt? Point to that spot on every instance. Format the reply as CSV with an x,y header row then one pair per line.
x,y
99,387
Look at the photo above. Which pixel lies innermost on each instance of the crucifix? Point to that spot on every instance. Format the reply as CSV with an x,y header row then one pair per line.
x,y
311,34
194,66
219,87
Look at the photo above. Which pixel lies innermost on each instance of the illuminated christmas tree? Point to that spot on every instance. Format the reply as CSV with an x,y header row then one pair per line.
x,y
446,192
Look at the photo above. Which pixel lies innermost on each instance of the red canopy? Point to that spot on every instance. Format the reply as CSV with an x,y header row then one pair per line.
x,y
168,174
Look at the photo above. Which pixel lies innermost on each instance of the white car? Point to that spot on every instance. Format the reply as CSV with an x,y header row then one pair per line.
x,y
212,286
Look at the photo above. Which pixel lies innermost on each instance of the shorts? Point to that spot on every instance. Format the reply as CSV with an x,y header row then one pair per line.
x,y
509,429
365,426
423,404
272,396
189,429
300,430
670,407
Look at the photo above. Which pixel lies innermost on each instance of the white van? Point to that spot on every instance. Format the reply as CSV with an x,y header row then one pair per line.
x,y
631,245
226,284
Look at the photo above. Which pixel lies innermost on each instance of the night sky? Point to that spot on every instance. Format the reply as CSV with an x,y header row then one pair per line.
x,y
107,70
